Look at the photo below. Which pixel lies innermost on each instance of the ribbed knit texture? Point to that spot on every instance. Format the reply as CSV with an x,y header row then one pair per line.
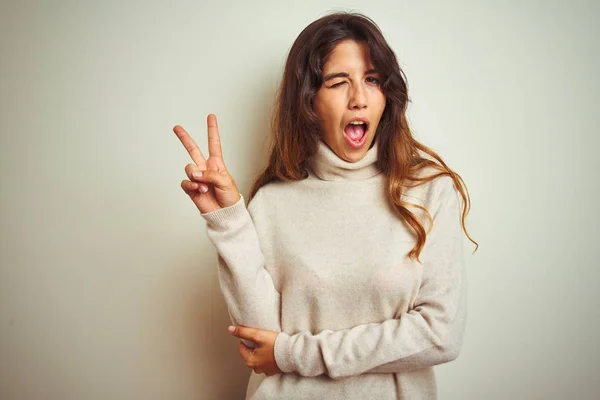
x,y
324,261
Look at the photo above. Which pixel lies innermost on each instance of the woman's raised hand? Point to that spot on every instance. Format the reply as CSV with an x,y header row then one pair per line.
x,y
209,186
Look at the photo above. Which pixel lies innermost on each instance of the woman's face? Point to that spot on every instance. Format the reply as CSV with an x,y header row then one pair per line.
x,y
350,101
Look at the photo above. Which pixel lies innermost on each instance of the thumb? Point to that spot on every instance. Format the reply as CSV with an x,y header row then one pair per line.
x,y
219,179
249,336
243,332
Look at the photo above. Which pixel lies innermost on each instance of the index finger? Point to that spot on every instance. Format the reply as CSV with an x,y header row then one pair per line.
x,y
191,146
214,140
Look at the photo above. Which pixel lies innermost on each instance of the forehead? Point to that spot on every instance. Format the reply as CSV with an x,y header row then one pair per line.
x,y
347,56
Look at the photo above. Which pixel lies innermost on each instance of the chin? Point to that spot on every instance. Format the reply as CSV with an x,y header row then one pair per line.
x,y
349,154
354,155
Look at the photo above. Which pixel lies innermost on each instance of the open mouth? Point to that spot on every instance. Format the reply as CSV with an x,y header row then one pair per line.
x,y
355,133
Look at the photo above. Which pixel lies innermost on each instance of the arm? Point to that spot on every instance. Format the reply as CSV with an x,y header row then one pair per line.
x,y
247,286
435,355
429,334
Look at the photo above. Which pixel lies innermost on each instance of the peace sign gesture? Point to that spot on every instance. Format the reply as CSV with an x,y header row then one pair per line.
x,y
209,186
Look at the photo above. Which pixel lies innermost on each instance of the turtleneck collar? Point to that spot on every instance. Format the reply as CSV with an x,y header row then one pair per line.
x,y
327,166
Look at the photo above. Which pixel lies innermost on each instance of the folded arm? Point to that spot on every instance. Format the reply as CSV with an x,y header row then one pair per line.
x,y
429,334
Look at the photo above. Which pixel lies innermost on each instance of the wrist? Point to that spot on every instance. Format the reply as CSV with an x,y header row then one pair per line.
x,y
283,353
225,217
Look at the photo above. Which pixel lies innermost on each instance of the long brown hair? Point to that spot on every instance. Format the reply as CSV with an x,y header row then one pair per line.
x,y
295,125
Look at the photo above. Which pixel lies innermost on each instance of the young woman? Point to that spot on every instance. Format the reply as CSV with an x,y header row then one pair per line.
x,y
344,274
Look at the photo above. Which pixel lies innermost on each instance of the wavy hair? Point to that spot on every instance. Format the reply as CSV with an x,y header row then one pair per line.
x,y
295,125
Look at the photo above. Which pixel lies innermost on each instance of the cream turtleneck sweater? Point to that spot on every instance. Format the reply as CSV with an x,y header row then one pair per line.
x,y
324,261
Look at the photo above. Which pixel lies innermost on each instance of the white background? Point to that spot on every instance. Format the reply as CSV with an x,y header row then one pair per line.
x,y
108,286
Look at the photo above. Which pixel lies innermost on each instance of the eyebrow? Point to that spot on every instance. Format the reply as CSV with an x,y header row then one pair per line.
x,y
345,74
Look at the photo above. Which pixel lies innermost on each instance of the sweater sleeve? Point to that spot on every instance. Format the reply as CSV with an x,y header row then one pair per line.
x,y
435,355
429,334
248,288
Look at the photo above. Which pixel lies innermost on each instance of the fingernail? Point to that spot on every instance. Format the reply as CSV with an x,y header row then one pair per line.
x,y
203,188
197,174
231,329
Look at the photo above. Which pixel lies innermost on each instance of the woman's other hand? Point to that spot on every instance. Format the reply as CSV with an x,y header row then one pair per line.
x,y
261,358
209,186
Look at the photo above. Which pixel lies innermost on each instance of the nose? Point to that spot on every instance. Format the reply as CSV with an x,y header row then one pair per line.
x,y
358,98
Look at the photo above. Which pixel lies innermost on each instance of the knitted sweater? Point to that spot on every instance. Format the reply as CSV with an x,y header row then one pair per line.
x,y
324,261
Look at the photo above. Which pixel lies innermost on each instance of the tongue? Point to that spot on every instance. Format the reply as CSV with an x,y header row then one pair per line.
x,y
355,132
